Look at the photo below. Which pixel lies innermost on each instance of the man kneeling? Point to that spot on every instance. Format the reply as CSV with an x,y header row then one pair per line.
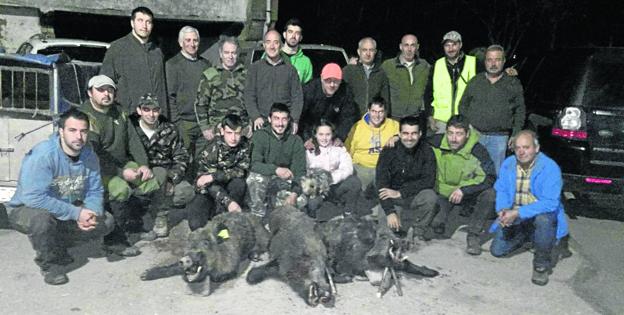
x,y
528,204
59,197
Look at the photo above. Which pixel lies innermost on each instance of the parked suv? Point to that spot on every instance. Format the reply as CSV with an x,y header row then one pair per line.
x,y
576,103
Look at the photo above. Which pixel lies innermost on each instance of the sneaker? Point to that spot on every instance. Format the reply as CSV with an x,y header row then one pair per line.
x,y
473,246
161,227
540,276
54,275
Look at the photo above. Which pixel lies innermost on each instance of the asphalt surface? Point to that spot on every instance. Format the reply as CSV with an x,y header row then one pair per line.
x,y
589,282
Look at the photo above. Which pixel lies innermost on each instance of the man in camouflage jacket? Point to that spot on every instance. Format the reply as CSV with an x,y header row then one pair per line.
x,y
220,91
168,158
221,171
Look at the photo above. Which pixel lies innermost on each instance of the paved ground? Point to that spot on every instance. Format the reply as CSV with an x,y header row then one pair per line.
x,y
589,282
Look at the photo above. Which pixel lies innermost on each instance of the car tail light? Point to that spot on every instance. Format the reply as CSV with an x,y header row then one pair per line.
x,y
594,180
570,124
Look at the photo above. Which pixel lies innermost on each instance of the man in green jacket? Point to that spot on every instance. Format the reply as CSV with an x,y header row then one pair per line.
x,y
293,34
366,78
464,179
407,79
276,154
123,160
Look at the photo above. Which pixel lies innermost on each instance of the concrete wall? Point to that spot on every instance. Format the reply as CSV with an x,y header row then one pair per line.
x,y
205,10
17,25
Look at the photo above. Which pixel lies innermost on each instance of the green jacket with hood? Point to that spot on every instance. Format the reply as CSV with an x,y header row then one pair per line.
x,y
302,64
470,168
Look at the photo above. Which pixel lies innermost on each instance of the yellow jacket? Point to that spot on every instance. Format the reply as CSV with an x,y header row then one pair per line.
x,y
364,142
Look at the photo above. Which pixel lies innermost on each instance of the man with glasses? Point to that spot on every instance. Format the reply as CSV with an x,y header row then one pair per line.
x,y
327,98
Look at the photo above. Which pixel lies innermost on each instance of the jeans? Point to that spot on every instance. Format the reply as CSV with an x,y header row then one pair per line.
x,y
542,230
496,145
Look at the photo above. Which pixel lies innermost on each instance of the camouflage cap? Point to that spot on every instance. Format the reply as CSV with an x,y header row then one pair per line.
x,y
148,100
452,36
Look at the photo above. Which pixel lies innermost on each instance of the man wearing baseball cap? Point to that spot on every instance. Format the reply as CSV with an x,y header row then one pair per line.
x,y
327,97
448,81
123,161
167,158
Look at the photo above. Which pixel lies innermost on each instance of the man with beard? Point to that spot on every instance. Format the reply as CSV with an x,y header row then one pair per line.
x,y
328,98
464,179
447,81
528,191
367,79
407,79
59,196
123,160
493,103
271,80
405,177
276,154
135,63
293,34
184,71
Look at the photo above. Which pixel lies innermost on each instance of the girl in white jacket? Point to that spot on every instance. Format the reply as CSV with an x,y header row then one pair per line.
x,y
345,187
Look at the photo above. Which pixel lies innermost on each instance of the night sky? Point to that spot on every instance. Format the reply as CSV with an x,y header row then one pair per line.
x,y
529,26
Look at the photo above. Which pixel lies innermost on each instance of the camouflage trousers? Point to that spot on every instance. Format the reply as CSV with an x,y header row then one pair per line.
x,y
50,237
119,189
264,191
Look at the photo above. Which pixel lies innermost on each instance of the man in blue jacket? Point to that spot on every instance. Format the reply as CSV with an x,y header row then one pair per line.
x,y
59,196
528,205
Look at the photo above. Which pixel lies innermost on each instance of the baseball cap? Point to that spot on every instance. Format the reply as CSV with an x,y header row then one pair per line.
x,y
331,70
148,100
452,36
101,80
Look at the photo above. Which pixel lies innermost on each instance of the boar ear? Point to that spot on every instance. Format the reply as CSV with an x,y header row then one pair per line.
x,y
223,234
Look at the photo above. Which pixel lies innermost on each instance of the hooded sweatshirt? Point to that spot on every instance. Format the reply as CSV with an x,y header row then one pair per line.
x,y
365,142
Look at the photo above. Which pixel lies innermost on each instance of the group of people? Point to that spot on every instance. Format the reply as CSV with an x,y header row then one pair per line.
x,y
189,140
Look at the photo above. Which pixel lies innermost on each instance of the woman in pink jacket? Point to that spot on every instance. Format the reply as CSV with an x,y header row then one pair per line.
x,y
345,187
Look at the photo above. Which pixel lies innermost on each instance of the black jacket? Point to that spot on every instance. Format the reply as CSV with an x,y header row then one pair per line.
x,y
339,109
406,170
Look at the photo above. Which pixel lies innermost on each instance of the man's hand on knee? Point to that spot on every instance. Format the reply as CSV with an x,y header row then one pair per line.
x,y
86,220
393,221
234,207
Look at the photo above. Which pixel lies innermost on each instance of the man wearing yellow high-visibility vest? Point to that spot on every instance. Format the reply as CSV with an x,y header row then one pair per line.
x,y
446,85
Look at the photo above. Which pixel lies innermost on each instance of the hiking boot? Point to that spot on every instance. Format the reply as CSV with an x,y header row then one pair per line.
x,y
473,246
540,276
54,275
564,248
439,229
161,227
422,233
123,250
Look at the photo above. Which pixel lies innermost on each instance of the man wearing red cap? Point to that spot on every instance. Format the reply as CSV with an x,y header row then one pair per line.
x,y
328,98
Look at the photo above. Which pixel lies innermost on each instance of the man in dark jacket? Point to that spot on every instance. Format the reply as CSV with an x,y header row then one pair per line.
x,y
276,155
184,70
136,63
405,177
465,175
270,80
328,98
493,103
366,79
